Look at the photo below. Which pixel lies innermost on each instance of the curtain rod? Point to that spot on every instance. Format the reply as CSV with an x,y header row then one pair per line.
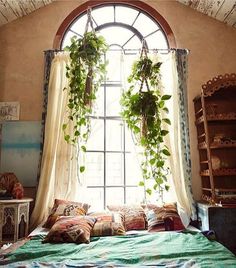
x,y
129,49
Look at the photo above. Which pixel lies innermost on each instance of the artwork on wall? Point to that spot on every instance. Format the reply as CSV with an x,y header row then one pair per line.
x,y
9,111
20,150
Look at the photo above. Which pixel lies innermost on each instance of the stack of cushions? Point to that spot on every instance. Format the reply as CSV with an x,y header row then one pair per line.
x,y
133,216
70,222
65,208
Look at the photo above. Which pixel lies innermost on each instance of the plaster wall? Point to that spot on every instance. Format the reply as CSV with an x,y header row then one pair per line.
x,y
22,42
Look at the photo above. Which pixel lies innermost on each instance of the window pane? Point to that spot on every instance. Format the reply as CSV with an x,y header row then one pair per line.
x,y
96,137
134,43
113,95
98,106
114,169
114,135
116,35
95,198
133,170
66,41
145,25
126,15
157,40
114,195
103,15
134,195
94,171
79,25
115,61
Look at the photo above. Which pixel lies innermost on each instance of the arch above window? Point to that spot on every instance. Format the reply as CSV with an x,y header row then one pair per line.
x,y
136,19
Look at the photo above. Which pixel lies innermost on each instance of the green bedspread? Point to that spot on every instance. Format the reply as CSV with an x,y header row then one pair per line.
x,y
165,249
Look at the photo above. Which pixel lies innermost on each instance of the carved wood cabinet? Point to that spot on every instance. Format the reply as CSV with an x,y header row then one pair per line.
x,y
215,112
14,219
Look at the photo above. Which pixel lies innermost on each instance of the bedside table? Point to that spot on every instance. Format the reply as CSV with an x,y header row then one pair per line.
x,y
222,220
14,219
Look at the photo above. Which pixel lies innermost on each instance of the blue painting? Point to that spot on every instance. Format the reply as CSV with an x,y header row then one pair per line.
x,y
20,150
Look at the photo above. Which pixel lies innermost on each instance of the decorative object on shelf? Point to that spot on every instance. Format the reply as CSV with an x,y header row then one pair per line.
x,y
215,161
85,73
144,110
9,111
10,187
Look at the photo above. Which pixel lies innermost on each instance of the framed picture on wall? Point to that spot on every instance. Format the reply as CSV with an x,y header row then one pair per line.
x,y
9,111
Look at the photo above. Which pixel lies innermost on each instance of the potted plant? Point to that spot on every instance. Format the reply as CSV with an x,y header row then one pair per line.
x,y
85,73
144,110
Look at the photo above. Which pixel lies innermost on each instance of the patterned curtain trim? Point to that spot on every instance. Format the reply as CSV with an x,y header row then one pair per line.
x,y
182,64
48,57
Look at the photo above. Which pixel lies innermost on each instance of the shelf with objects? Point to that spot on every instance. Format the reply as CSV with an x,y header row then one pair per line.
x,y
215,120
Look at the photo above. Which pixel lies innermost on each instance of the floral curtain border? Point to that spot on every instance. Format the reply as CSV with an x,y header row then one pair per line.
x,y
182,64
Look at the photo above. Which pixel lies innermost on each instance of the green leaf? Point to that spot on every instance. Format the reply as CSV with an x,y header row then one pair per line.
x,y
64,126
141,183
167,187
166,97
166,152
167,120
83,148
149,191
164,132
82,169
152,161
67,138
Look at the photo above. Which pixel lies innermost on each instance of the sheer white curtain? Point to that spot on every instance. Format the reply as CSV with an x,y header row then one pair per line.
x,y
179,190
59,168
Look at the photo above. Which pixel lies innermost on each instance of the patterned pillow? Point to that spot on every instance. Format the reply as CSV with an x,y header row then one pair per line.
x,y
107,224
164,218
134,217
65,208
71,230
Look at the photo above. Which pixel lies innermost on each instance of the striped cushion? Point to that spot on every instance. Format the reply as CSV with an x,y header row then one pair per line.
x,y
71,230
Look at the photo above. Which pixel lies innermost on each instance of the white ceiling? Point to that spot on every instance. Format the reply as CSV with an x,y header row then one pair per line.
x,y
223,10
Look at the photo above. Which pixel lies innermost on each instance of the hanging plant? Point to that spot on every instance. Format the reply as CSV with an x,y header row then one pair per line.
x,y
144,111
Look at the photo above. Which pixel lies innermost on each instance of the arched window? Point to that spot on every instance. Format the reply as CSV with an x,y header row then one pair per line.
x,y
112,168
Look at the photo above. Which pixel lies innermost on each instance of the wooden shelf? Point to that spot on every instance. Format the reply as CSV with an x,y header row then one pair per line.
x,y
199,120
215,120
220,172
217,145
221,117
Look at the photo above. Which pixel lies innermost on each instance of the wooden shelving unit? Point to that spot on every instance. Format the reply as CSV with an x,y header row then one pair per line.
x,y
215,120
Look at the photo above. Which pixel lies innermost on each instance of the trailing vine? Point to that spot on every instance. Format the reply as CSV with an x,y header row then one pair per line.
x,y
144,111
85,73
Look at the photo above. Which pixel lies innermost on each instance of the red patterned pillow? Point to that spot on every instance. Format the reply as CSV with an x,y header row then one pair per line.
x,y
65,208
164,218
71,230
107,224
134,217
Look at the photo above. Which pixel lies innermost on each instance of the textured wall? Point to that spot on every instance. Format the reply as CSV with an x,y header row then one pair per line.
x,y
22,42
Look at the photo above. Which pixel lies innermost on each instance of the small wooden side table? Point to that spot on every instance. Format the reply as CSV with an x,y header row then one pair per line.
x,y
14,219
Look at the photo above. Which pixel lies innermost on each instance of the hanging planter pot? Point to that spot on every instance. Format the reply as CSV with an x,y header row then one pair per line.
x,y
143,109
85,73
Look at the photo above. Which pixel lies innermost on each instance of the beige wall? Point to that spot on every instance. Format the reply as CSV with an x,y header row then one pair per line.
x,y
22,42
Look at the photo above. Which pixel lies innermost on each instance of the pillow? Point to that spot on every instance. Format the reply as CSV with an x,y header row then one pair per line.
x,y
65,208
107,224
164,218
134,217
71,230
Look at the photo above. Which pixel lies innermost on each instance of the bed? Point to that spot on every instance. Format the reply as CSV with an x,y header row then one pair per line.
x,y
135,249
